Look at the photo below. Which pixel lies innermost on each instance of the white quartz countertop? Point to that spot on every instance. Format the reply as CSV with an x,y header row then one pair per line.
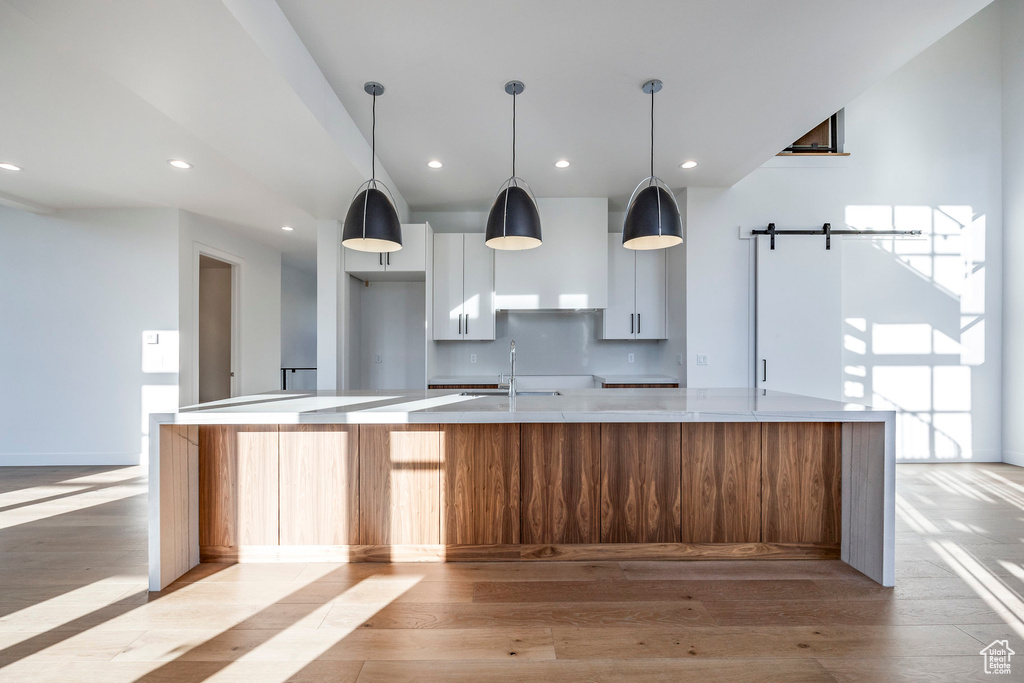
x,y
448,406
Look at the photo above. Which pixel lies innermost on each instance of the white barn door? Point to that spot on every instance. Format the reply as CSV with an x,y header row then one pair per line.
x,y
799,341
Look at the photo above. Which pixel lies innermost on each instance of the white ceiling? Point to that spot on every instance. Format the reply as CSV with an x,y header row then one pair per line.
x,y
97,96
743,79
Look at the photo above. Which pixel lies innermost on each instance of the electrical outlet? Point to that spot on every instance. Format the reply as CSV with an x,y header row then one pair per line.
x,y
702,359
472,358
630,358
679,359
377,359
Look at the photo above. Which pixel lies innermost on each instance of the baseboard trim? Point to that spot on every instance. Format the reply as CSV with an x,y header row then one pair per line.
x,y
67,459
521,553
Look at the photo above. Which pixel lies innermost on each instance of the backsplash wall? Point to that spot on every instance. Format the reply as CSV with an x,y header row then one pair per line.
x,y
552,343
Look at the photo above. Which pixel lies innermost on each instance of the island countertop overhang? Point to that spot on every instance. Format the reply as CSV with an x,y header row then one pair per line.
x,y
439,406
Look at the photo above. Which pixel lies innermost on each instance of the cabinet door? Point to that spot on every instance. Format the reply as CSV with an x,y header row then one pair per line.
x,y
640,483
238,485
561,472
801,482
447,304
412,257
478,289
480,489
319,484
620,316
399,484
650,294
721,472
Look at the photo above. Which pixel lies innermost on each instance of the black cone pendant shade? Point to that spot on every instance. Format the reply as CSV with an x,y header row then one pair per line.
x,y
652,217
371,223
514,222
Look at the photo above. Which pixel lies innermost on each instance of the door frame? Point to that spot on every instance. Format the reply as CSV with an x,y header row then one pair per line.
x,y
236,262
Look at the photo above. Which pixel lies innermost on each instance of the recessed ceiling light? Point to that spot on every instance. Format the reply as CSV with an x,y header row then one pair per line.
x,y
689,164
434,164
9,167
287,228
178,163
562,163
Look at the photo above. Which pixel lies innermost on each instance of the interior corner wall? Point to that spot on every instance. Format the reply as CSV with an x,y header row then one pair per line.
x,y
926,152
1013,232
80,291
258,367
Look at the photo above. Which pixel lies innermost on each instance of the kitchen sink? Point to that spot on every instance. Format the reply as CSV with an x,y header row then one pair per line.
x,y
502,392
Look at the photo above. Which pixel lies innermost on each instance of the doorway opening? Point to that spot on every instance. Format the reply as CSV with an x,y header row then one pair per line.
x,y
215,324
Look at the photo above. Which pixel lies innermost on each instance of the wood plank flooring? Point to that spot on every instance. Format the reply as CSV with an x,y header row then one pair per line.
x,y
74,605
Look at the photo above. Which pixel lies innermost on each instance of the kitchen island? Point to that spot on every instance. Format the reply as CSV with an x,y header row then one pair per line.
x,y
587,474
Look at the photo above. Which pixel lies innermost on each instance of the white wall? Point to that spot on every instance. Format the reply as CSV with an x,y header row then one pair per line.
x,y
257,367
1013,242
390,319
925,153
298,325
80,288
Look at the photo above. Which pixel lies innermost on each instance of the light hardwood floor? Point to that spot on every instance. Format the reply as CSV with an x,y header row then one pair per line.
x,y
74,605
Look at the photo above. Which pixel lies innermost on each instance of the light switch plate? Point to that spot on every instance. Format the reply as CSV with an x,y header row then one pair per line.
x,y
702,359
152,337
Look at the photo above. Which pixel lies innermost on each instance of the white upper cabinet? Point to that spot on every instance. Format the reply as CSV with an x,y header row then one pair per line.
x,y
408,263
651,292
637,298
463,279
569,270
478,289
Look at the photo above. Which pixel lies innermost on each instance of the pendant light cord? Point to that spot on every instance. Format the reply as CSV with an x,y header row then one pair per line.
x,y
513,132
373,139
652,132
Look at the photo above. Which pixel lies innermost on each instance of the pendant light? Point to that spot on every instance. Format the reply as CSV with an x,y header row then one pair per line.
x,y
514,222
372,222
652,216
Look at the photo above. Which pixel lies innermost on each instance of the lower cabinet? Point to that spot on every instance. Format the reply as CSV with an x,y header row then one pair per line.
x,y
640,483
480,485
319,484
400,473
238,485
561,480
801,495
721,482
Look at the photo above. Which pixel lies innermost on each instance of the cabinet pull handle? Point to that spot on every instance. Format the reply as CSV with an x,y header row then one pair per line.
x,y
467,323
380,259
638,323
631,323
388,258
460,323
764,369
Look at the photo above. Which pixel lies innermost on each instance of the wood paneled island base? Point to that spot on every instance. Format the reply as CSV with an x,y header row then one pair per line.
x,y
589,475
531,492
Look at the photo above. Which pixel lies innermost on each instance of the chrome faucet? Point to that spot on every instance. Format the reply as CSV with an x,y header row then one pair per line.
x,y
511,386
